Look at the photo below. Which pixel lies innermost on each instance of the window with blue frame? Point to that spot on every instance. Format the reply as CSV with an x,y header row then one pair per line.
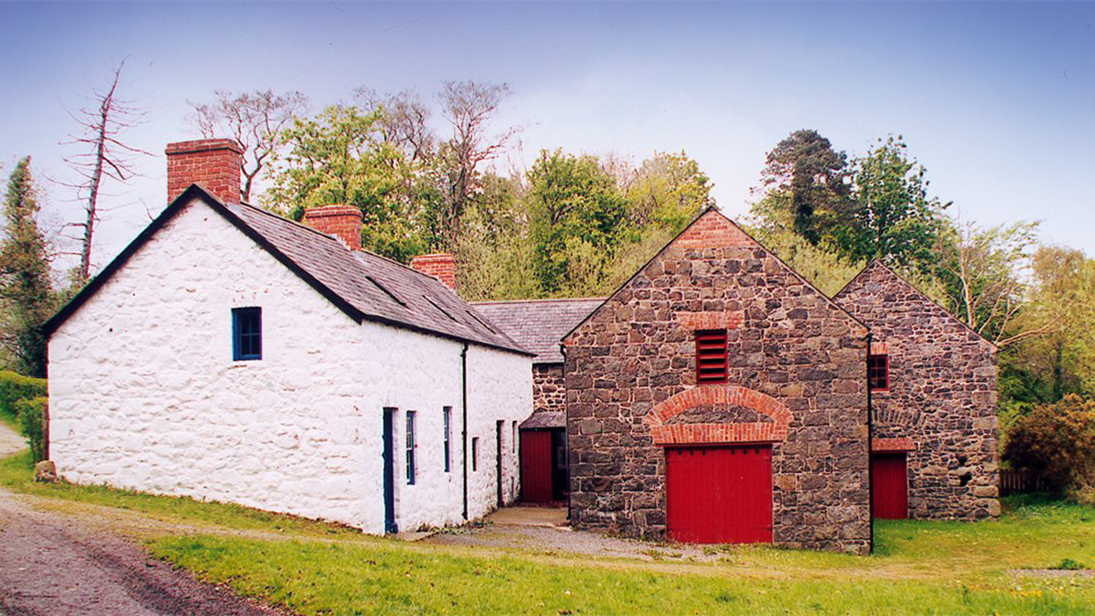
x,y
246,333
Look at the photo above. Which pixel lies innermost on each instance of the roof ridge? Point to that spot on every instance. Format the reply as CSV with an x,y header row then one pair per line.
x,y
531,300
286,219
332,237
877,262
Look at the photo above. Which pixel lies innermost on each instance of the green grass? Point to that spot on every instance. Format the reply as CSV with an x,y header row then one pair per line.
x,y
16,473
314,578
11,421
918,567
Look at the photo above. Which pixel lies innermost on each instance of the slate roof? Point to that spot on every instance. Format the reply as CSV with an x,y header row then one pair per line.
x,y
543,418
363,285
539,324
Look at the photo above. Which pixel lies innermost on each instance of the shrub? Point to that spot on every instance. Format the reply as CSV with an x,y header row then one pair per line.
x,y
15,387
32,419
1057,442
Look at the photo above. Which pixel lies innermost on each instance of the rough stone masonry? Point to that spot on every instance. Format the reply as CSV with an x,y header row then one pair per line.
x,y
941,398
796,379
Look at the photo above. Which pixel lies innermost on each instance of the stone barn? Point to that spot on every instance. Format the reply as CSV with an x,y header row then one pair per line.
x,y
718,397
932,386
539,326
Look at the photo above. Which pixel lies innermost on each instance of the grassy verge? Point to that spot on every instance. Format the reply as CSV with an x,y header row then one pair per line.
x,y
918,567
313,578
16,473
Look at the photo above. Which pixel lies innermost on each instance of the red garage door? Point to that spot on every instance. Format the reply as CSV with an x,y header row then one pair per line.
x,y
536,468
719,494
889,486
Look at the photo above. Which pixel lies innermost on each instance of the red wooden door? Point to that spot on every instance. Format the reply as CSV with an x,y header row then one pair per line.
x,y
889,486
536,467
719,494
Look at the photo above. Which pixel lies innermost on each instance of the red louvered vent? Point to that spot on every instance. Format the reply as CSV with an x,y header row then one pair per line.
x,y
711,356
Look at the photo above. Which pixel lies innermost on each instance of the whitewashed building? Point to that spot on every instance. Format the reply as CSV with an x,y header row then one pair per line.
x,y
232,355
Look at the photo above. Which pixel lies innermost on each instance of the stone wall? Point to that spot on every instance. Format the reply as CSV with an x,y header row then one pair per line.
x,y
794,357
941,397
548,388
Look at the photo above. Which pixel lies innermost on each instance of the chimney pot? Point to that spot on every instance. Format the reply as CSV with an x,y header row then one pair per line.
x,y
441,266
213,163
341,221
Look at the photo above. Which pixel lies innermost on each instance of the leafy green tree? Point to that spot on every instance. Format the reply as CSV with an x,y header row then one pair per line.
x,y
341,157
891,215
825,268
668,191
25,287
806,183
495,258
577,216
1060,358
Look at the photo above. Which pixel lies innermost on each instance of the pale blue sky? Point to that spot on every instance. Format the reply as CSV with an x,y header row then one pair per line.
x,y
997,100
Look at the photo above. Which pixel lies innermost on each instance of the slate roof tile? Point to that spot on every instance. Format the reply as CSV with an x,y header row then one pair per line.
x,y
374,285
539,324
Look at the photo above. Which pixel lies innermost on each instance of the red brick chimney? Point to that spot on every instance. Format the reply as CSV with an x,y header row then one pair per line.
x,y
213,163
341,221
441,266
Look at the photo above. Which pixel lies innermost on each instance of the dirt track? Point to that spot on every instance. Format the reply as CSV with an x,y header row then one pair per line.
x,y
55,565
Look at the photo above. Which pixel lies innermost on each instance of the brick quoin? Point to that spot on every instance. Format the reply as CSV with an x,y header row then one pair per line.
x,y
441,266
212,163
886,445
341,221
711,320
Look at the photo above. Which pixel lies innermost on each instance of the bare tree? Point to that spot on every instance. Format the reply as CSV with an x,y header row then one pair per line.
x,y
988,267
404,121
469,106
102,124
254,119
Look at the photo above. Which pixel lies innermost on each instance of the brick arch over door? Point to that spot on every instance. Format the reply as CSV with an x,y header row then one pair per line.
x,y
718,395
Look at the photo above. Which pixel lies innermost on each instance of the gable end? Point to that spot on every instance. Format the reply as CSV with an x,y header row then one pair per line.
x,y
729,235
194,192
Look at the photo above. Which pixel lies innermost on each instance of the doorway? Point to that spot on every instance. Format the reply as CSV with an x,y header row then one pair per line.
x,y
719,494
390,525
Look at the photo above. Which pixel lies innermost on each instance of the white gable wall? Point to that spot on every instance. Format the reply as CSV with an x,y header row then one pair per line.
x,y
144,393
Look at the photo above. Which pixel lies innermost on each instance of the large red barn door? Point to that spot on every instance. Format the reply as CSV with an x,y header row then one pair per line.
x,y
536,466
719,494
889,486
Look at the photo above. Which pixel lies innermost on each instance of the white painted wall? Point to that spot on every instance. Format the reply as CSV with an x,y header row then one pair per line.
x,y
503,391
144,393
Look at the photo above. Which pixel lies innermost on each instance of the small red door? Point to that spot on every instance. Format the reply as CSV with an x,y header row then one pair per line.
x,y
536,467
719,494
889,486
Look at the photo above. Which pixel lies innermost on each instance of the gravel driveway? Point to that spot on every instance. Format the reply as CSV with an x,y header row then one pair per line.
x,y
54,565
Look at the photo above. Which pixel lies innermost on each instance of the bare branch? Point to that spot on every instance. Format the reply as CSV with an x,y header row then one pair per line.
x,y
255,120
105,154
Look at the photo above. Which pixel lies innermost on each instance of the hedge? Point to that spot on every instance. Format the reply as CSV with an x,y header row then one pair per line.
x,y
15,387
32,418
